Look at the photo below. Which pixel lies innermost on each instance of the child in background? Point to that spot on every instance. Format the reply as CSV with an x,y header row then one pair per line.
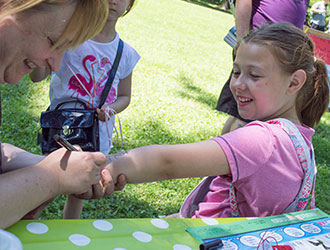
x,y
82,77
256,170
319,11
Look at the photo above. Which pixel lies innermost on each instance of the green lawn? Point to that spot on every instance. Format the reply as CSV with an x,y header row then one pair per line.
x,y
184,63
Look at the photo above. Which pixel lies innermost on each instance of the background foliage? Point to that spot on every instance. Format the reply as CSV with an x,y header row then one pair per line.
x,y
184,63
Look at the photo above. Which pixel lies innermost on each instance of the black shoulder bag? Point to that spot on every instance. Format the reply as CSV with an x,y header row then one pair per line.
x,y
78,126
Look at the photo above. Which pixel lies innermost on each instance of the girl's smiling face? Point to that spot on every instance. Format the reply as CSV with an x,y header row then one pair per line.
x,y
27,40
259,85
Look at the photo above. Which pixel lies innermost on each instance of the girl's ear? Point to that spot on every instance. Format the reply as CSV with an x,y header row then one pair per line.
x,y
298,78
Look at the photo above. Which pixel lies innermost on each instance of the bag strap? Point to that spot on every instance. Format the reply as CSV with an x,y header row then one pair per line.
x,y
112,73
307,163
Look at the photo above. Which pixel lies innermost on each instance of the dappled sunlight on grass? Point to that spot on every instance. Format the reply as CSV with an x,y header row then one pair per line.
x,y
198,94
322,190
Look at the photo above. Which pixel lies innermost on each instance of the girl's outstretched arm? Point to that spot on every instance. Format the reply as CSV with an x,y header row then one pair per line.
x,y
162,162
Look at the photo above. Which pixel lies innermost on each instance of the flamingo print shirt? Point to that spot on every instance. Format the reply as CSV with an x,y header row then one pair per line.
x,y
84,73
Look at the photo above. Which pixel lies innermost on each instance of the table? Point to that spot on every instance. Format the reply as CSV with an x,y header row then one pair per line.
x,y
114,234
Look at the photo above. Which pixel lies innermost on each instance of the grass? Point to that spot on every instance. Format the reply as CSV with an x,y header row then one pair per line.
x,y
184,63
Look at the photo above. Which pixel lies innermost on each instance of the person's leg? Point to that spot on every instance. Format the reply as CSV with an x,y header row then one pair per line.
x,y
314,26
317,27
73,207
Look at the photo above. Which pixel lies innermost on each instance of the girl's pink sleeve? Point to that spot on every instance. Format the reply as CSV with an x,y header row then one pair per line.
x,y
247,148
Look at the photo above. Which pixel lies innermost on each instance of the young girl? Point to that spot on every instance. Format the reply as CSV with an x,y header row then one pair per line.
x,y
84,72
83,75
266,167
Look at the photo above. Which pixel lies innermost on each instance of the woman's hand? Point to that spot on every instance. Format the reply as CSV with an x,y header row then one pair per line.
x,y
75,172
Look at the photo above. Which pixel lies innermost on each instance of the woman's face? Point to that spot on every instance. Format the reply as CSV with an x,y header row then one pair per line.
x,y
26,41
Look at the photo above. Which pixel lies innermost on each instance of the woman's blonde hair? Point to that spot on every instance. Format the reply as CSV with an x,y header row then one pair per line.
x,y
87,20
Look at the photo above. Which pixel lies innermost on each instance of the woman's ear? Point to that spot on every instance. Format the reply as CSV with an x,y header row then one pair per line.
x,y
298,79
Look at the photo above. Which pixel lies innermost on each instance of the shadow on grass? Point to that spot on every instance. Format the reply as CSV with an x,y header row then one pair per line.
x,y
322,144
196,93
148,132
119,205
147,200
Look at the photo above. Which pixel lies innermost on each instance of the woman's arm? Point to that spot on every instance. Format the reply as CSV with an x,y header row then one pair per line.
x,y
28,186
14,158
162,162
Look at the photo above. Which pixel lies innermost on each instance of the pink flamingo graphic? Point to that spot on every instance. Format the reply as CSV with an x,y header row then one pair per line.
x,y
82,87
76,81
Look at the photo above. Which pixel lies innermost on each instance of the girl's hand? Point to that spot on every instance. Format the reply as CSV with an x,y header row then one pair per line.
x,y
109,185
105,112
101,114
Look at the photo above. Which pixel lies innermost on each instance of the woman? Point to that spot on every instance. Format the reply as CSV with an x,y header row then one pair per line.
x,y
36,33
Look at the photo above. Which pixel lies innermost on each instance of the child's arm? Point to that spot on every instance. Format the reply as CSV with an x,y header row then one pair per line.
x,y
161,162
123,98
38,74
73,207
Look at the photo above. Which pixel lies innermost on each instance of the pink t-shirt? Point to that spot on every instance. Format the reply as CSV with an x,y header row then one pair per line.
x,y
266,172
